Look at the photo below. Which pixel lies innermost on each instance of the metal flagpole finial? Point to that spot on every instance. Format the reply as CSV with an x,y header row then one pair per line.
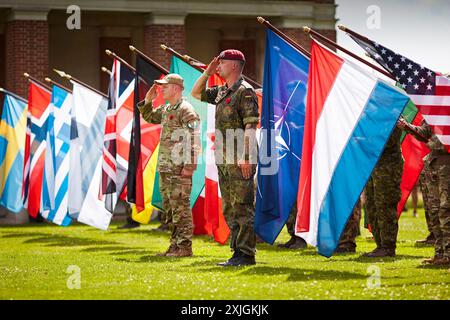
x,y
106,70
342,27
2,90
63,74
131,47
306,29
108,52
48,79
27,75
261,19
164,47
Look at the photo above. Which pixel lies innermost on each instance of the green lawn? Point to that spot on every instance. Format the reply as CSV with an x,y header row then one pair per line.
x,y
121,264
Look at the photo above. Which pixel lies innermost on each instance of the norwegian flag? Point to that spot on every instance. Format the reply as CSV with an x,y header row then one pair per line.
x,y
38,101
428,90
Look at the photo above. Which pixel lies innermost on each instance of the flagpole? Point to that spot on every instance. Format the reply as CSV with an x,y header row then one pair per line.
x,y
311,32
112,54
178,55
192,62
106,70
284,36
30,78
187,59
69,77
353,33
13,94
57,84
148,59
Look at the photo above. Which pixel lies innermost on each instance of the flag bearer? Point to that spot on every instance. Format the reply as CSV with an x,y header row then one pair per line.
x,y
177,160
437,171
382,195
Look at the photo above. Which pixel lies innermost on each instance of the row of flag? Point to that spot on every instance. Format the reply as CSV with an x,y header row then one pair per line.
x,y
74,154
331,120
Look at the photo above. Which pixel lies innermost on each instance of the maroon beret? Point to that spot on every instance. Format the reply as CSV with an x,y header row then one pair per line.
x,y
232,54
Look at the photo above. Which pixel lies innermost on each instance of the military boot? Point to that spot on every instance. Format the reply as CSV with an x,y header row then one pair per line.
x,y
380,253
131,224
288,243
299,243
431,260
236,254
244,260
181,252
429,240
443,261
345,250
171,249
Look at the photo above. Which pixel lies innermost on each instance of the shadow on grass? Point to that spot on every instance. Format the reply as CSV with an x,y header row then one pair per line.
x,y
433,267
129,251
154,258
57,240
111,248
294,274
383,259
299,274
149,232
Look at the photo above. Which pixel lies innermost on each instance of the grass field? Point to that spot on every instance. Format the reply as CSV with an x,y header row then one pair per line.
x,y
35,262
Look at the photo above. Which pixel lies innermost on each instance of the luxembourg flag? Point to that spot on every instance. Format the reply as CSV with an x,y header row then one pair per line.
x,y
350,115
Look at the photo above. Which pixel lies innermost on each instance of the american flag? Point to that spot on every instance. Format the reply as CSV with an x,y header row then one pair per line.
x,y
428,90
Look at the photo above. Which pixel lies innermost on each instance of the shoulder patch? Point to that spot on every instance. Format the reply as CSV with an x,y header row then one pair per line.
x,y
247,85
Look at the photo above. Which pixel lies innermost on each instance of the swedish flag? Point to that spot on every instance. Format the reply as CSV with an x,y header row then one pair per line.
x,y
12,144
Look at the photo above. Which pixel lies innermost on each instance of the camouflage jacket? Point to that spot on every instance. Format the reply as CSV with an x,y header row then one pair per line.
x,y
236,107
180,137
424,131
392,154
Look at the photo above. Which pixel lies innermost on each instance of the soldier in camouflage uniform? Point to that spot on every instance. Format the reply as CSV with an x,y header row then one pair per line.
x,y
424,189
347,242
176,160
382,195
131,224
437,172
236,114
295,242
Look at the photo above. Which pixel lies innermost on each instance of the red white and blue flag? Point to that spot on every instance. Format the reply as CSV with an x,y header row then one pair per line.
x,y
350,115
39,99
428,90
117,134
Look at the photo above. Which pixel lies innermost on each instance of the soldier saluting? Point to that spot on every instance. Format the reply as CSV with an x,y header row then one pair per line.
x,y
179,120
235,149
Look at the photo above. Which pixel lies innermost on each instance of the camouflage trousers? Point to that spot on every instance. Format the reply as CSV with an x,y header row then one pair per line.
x,y
238,209
424,189
382,195
437,172
351,230
175,191
290,223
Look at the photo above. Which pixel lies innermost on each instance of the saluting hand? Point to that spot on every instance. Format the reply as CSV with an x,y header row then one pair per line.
x,y
212,67
151,94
